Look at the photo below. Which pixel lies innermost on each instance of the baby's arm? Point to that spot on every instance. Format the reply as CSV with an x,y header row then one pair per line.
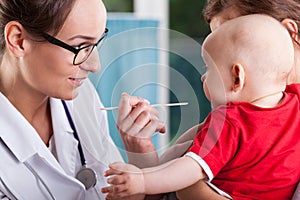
x,y
172,176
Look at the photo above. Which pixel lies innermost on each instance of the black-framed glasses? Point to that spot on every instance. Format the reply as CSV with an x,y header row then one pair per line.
x,y
82,53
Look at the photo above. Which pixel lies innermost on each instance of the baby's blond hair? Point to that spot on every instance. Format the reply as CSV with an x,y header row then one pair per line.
x,y
259,42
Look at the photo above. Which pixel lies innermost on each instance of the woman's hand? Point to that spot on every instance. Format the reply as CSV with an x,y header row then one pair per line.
x,y
137,118
137,121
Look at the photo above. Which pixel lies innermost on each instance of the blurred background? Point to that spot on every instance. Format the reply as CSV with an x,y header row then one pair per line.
x,y
154,51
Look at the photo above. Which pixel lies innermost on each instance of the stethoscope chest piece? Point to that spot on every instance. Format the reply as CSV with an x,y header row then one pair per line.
x,y
87,177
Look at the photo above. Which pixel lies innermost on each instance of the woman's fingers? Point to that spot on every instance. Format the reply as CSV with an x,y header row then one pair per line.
x,y
140,122
126,104
135,120
153,126
130,108
141,115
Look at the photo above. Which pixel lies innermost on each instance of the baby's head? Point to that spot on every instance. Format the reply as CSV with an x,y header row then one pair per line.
x,y
246,58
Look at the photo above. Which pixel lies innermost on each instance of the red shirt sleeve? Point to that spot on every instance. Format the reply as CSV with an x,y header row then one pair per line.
x,y
217,142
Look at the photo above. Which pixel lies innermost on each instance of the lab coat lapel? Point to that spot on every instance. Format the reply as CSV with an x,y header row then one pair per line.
x,y
66,144
22,144
37,179
17,133
60,185
20,134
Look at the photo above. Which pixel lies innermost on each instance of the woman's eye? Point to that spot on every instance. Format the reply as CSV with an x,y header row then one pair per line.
x,y
80,45
88,48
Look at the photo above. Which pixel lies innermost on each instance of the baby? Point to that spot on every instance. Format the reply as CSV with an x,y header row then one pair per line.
x,y
247,148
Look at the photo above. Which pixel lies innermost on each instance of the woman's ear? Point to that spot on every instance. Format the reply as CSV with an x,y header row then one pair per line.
x,y
292,27
238,74
14,37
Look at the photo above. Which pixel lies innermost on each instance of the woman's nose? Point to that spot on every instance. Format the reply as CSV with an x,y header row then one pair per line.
x,y
92,64
94,68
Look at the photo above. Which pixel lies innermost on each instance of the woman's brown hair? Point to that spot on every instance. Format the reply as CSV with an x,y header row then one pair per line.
x,y
279,9
36,16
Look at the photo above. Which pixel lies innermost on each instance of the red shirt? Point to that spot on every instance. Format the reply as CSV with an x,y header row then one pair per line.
x,y
253,152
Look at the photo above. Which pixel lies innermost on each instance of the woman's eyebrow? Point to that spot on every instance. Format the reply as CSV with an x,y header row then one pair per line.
x,y
84,37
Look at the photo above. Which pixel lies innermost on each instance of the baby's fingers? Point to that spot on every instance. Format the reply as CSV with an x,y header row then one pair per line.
x,y
116,180
115,169
118,196
110,172
114,189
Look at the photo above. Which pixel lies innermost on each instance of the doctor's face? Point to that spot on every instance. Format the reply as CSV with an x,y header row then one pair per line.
x,y
51,70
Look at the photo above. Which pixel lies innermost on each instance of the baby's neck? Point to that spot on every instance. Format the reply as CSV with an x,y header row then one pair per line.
x,y
268,100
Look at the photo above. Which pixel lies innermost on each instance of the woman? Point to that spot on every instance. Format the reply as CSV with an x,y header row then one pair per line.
x,y
216,12
51,146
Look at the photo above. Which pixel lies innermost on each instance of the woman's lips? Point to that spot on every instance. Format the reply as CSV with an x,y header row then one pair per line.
x,y
76,82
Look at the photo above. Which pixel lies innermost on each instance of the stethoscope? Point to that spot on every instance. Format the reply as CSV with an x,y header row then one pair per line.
x,y
85,175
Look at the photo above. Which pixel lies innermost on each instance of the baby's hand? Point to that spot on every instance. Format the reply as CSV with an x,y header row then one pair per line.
x,y
125,180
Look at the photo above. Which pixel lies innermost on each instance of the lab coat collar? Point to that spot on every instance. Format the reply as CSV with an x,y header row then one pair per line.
x,y
59,117
65,142
16,132
24,143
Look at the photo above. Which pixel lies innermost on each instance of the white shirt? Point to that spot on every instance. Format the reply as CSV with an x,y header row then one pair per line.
x,y
28,170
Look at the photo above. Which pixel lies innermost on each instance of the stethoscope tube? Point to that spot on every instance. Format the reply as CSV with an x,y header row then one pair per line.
x,y
86,176
82,158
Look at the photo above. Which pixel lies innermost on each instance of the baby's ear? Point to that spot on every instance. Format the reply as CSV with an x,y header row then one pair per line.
x,y
292,27
238,74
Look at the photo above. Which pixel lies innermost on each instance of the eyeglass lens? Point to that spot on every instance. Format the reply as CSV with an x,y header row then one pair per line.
x,y
85,52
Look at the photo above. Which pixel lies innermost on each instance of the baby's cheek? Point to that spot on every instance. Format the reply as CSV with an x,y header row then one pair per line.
x,y
206,92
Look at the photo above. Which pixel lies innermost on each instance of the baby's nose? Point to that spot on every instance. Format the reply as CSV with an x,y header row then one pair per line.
x,y
203,77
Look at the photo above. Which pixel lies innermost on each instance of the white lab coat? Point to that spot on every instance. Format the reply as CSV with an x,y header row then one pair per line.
x,y
28,170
